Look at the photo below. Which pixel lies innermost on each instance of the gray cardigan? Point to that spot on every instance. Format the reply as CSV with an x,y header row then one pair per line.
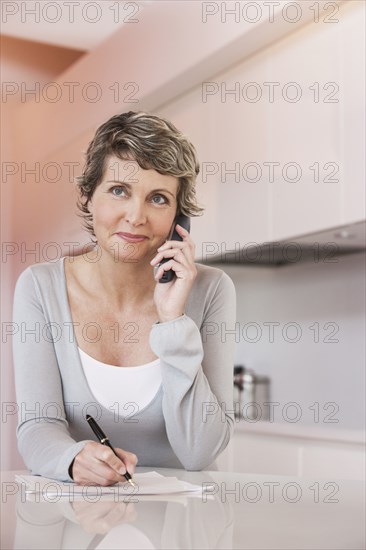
x,y
188,423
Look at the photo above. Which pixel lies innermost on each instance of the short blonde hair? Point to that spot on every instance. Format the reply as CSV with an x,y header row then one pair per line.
x,y
154,143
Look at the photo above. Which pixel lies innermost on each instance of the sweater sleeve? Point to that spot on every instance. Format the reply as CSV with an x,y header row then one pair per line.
x,y
44,441
197,377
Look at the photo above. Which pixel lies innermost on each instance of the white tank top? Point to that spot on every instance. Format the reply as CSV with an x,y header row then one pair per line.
x,y
123,390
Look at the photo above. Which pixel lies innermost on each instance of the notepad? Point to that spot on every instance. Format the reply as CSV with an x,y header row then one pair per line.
x,y
148,483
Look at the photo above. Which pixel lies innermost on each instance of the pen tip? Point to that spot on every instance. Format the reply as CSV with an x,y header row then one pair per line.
x,y
131,482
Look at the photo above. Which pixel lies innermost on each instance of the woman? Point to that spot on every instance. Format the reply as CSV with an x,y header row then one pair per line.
x,y
152,362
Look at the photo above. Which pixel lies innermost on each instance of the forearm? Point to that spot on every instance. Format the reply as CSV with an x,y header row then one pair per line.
x,y
47,448
198,423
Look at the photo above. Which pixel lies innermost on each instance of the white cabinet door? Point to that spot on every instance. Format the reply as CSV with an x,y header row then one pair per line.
x,y
263,454
194,118
259,453
304,127
229,131
239,147
352,61
330,460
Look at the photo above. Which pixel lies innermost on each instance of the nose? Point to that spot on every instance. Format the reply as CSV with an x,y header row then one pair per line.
x,y
136,214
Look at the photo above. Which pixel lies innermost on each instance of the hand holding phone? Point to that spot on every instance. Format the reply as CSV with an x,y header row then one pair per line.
x,y
185,222
171,300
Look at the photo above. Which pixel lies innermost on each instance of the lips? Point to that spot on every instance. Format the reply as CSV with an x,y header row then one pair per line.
x,y
132,237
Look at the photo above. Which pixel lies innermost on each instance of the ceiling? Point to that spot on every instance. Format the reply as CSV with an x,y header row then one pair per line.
x,y
80,25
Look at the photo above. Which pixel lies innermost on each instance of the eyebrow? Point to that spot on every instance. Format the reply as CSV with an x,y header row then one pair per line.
x,y
129,185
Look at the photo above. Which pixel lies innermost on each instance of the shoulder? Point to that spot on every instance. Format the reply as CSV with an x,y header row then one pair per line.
x,y
39,275
212,285
42,269
209,276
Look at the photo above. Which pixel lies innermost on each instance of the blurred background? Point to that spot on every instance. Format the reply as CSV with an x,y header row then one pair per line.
x,y
272,96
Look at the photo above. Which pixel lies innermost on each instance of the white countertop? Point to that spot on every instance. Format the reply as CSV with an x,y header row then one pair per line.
x,y
248,511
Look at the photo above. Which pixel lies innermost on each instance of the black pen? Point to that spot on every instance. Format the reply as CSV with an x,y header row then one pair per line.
x,y
105,441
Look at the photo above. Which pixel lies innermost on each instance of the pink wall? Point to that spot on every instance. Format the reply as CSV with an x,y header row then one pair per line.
x,y
22,62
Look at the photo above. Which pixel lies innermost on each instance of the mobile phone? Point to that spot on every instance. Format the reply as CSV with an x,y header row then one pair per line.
x,y
185,222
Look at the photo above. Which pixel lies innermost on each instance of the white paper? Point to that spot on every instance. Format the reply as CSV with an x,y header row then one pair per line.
x,y
148,483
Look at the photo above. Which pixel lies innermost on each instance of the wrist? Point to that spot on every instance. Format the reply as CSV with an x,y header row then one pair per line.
x,y
165,319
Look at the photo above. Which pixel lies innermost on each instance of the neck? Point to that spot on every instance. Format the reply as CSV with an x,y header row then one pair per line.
x,y
125,284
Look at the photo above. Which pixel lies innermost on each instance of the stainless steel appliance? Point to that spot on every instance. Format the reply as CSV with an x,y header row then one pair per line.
x,y
251,395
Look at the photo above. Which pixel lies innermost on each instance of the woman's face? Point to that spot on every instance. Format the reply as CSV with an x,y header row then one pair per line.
x,y
136,201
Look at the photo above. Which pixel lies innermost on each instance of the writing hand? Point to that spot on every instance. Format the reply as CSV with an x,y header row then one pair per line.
x,y
97,464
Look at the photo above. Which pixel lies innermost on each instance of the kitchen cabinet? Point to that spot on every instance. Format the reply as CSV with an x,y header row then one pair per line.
x,y
281,138
231,140
323,133
194,119
262,453
305,131
240,147
352,66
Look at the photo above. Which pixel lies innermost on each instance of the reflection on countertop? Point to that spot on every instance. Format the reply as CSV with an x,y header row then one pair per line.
x,y
131,522
243,511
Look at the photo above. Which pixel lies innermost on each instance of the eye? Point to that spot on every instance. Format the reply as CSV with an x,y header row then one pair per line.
x,y
119,187
166,201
